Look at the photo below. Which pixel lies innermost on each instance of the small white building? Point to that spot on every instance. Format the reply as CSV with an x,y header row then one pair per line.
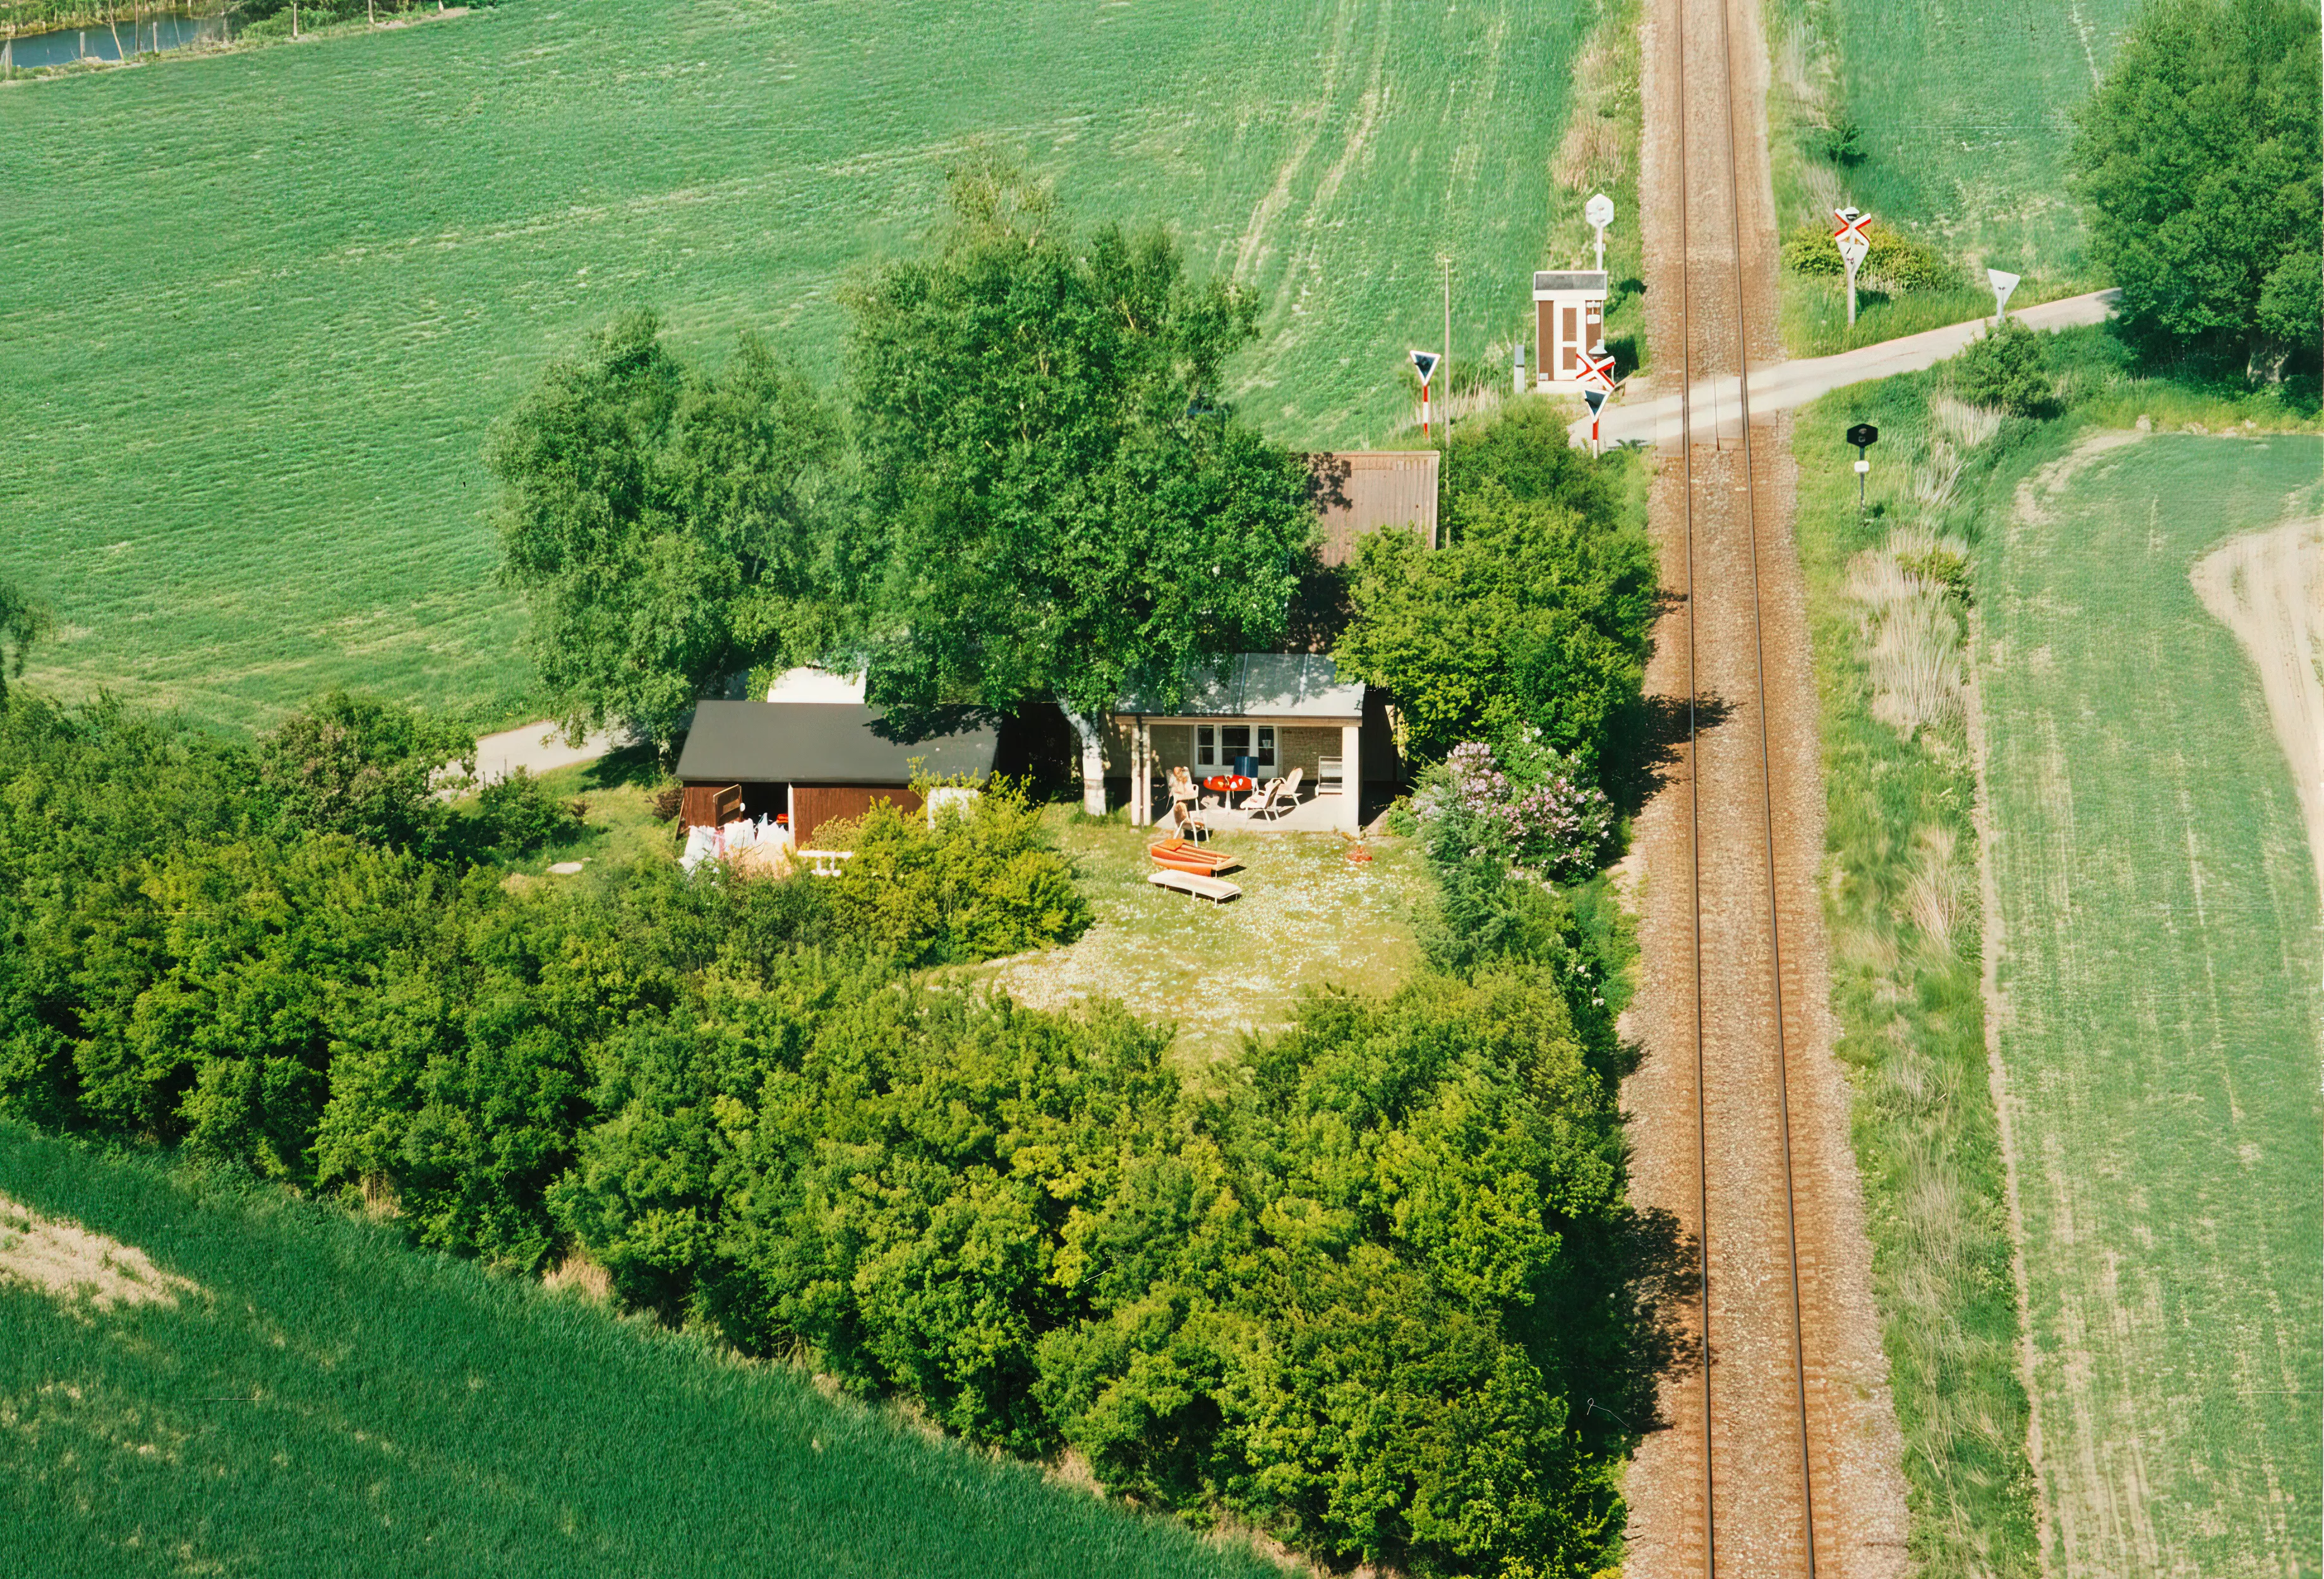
x,y
1568,319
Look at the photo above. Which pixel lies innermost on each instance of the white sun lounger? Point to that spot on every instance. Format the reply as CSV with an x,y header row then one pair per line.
x,y
1215,890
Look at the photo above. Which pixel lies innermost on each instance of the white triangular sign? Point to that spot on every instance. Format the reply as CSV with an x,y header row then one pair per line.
x,y
2003,282
1853,243
1426,362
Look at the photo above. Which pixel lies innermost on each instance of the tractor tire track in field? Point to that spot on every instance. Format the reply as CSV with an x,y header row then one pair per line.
x,y
1785,1459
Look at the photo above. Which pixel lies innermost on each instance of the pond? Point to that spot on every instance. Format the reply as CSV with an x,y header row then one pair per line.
x,y
134,37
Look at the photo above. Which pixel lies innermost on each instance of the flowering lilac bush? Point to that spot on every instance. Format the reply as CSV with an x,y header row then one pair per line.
x,y
1537,814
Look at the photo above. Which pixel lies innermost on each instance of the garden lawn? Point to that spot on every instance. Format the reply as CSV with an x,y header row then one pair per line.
x,y
1309,917
261,308
329,1401
2160,998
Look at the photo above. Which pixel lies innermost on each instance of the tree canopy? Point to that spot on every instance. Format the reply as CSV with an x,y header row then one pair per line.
x,y
2196,162
1535,614
1062,504
23,621
664,523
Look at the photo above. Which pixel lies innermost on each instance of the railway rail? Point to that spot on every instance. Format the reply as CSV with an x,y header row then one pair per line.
x,y
1723,290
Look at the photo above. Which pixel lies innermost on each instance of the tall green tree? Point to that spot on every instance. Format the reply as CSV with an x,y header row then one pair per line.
x,y
1063,506
2197,162
664,523
1535,613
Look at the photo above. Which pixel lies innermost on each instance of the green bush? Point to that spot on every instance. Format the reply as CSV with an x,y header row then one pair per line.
x,y
1347,1291
517,816
985,881
1893,260
361,766
1345,1288
2005,368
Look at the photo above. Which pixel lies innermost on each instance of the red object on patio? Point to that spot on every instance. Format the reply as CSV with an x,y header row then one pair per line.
x,y
1229,783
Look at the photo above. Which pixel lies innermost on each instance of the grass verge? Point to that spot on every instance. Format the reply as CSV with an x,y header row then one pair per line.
x,y
331,1402
1900,908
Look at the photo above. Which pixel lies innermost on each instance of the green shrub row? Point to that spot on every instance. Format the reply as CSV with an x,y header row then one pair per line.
x,y
1370,1286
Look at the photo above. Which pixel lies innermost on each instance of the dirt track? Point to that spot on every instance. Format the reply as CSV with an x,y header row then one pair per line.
x,y
2268,588
1757,823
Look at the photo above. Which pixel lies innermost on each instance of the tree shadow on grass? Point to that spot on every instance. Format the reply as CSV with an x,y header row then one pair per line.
x,y
631,764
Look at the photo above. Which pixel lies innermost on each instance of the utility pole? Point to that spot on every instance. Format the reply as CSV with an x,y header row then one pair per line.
x,y
1448,344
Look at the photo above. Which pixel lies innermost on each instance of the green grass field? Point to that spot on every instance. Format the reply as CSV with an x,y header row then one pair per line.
x,y
1965,114
332,1402
2160,984
261,308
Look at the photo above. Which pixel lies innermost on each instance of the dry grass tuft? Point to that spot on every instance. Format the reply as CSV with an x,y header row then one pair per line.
x,y
67,1261
1966,425
1912,638
584,1276
1933,899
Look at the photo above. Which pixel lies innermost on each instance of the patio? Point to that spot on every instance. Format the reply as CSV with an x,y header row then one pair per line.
x,y
1267,715
1314,814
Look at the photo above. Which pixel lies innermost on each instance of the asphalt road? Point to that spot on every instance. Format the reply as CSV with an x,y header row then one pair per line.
x,y
1778,387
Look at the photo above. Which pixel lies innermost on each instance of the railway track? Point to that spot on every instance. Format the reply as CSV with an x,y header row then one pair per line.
x,y
1733,174
1780,1460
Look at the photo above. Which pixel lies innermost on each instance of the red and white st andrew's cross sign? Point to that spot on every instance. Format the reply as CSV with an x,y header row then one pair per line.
x,y
1849,237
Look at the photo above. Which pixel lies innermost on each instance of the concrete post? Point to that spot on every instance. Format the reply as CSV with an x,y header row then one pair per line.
x,y
1352,777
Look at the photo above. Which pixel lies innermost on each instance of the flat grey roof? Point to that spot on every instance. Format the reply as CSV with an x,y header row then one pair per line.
x,y
1264,685
1569,279
818,742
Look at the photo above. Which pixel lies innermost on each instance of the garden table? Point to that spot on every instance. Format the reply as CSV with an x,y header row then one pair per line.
x,y
1229,784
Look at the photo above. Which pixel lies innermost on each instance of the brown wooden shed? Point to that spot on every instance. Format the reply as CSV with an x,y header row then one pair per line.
x,y
818,762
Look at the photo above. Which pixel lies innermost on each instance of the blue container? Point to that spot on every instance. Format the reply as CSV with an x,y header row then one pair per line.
x,y
1247,767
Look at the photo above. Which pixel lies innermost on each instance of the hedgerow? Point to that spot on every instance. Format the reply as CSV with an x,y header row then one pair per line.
x,y
1370,1286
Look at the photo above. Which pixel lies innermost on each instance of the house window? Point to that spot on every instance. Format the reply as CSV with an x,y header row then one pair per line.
x,y
1234,740
1265,752
1206,746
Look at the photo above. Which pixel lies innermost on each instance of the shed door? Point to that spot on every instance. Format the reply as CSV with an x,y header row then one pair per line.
x,y
1569,341
1545,339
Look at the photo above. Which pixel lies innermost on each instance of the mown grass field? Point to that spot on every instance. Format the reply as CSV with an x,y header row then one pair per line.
x,y
261,308
332,1402
1309,918
2160,998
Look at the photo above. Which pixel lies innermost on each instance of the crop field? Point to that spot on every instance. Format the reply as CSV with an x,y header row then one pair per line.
x,y
261,308
1964,113
2159,992
314,1397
